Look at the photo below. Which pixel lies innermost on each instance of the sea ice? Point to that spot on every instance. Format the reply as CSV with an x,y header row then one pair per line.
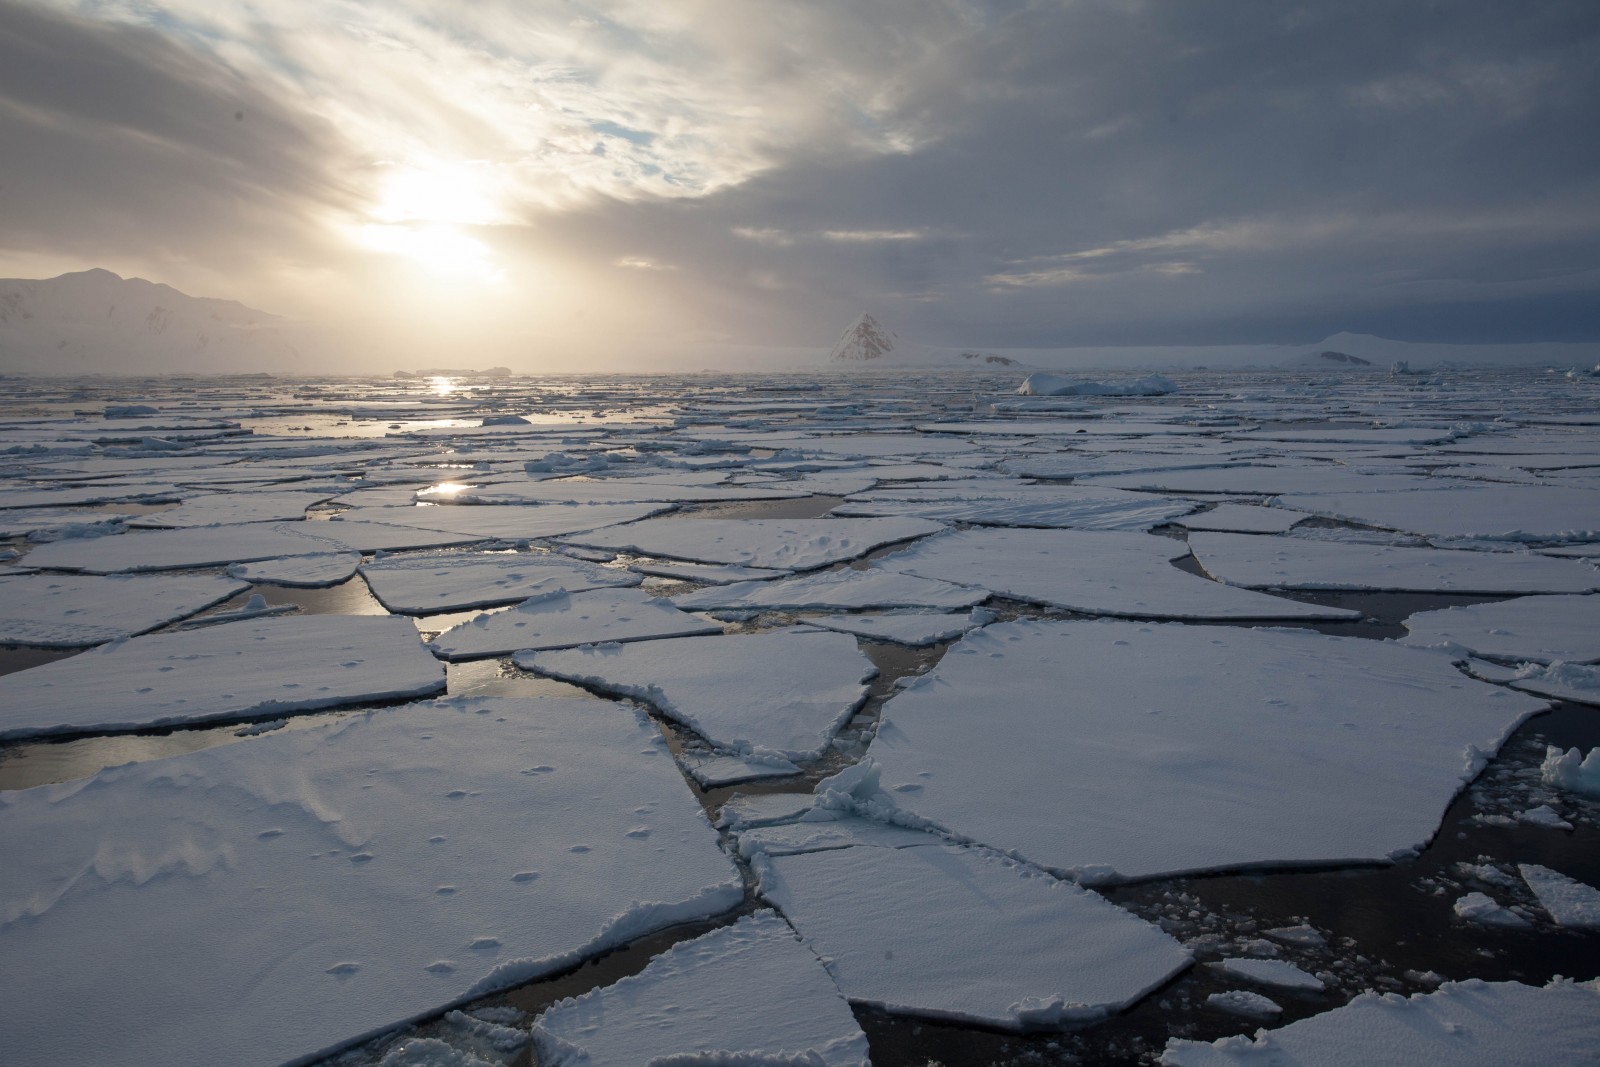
x,y
780,544
1571,769
318,570
711,574
918,630
749,993
1577,682
714,771
781,692
1484,910
1496,512
1279,974
79,610
1569,901
215,509
512,522
563,620
455,581
960,933
1074,506
237,670
1242,518
271,900
840,590
1537,628
1299,749
1264,562
1464,1024
619,491
1245,1003
1093,571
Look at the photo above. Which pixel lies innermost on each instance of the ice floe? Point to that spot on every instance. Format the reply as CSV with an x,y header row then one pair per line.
x,y
438,583
959,933
1538,628
836,590
1244,1002
749,993
1242,518
783,692
79,610
1265,562
912,628
1484,910
1578,682
1074,506
562,620
318,570
215,509
1099,572
1299,749
714,770
1568,901
271,900
1280,974
1465,1024
1497,512
512,522
777,544
1571,769
234,671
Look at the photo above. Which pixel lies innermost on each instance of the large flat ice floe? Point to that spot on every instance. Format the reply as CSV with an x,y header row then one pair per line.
x,y
1500,512
1464,1024
779,544
1131,751
836,591
1537,628
434,584
513,522
1075,506
1568,901
749,993
79,610
960,933
562,620
271,900
1265,562
237,670
783,692
213,509
1098,572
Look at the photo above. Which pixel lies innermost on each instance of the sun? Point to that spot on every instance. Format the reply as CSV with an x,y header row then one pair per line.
x,y
422,212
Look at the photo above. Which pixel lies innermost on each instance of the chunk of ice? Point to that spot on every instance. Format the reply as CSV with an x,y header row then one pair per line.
x,y
1536,628
80,610
1277,973
836,590
560,620
455,581
780,544
1569,901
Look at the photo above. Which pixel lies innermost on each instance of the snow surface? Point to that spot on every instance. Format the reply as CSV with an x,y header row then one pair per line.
x,y
511,522
1097,572
1537,628
214,509
1300,563
1241,518
1464,1024
782,692
713,770
836,590
562,620
711,574
80,610
749,993
1495,512
778,544
915,629
1569,901
1298,748
1051,506
454,581
239,670
1245,1003
959,933
271,900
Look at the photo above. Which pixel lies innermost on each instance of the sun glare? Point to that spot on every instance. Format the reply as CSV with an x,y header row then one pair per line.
x,y
420,212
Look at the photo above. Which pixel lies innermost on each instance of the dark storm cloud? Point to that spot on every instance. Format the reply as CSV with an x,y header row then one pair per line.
x,y
121,143
1165,172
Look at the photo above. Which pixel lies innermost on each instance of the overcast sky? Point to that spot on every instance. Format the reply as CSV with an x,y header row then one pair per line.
x,y
605,175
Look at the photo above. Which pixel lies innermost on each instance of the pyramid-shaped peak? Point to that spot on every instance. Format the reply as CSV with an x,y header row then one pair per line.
x,y
864,340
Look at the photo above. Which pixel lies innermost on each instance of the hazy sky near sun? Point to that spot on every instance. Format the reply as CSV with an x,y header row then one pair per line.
x,y
596,175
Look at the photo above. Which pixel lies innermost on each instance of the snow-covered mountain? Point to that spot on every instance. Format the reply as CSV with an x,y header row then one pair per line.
x,y
95,322
866,342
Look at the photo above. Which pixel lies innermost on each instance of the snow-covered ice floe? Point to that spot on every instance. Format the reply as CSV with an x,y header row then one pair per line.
x,y
1265,562
1074,506
563,620
213,509
1577,682
512,522
315,571
961,933
456,581
1279,974
749,993
274,899
1042,384
1464,1024
778,544
1568,901
1536,628
238,670
912,628
783,693
836,590
714,770
1099,572
1242,518
79,610
1297,749
1496,512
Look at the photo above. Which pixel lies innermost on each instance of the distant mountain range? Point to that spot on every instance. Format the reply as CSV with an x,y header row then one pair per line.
x,y
95,322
